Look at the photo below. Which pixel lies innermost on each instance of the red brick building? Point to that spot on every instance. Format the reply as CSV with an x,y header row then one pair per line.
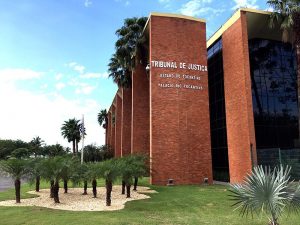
x,y
196,106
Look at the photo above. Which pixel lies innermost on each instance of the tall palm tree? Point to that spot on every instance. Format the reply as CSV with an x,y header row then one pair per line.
x,y
70,131
103,118
129,40
16,168
287,15
268,192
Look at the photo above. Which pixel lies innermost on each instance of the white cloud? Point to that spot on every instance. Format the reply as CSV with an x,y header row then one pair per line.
x,y
245,3
58,76
85,89
60,86
26,114
88,3
199,8
94,75
18,74
126,2
76,67
165,3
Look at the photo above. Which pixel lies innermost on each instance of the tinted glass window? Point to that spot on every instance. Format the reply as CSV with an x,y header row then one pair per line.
x,y
274,93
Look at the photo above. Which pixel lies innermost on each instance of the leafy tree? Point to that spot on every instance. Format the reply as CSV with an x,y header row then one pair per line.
x,y
36,146
70,131
286,14
103,118
268,191
54,150
67,170
20,153
109,170
8,146
129,40
17,168
81,174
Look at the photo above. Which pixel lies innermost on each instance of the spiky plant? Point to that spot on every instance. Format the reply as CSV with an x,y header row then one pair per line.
x,y
267,191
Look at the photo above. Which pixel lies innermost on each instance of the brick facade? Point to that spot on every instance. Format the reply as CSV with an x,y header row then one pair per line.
x,y
126,121
118,123
180,130
140,134
238,99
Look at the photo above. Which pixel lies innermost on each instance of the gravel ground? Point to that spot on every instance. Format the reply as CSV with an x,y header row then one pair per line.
x,y
75,201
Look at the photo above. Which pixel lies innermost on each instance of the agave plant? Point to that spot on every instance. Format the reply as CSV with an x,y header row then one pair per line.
x,y
267,191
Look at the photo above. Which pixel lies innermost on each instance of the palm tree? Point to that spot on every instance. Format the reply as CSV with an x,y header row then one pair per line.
x,y
17,168
287,15
67,171
70,131
129,41
103,118
35,168
81,174
53,172
36,146
94,172
266,191
109,170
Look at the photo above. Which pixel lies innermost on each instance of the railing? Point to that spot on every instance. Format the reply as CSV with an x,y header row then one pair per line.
x,y
273,157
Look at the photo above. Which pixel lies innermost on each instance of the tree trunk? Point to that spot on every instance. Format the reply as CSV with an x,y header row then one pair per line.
x,y
37,183
123,187
94,184
66,186
73,142
18,190
76,147
108,192
85,187
128,186
52,189
136,180
55,191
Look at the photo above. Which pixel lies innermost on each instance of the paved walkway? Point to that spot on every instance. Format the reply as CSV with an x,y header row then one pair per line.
x,y
5,183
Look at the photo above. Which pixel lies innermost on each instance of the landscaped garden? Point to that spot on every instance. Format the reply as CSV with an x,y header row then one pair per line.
x,y
171,205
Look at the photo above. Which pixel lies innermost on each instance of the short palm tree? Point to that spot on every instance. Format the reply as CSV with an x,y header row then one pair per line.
x,y
17,169
67,171
35,168
103,118
70,131
53,172
81,175
94,172
109,170
267,191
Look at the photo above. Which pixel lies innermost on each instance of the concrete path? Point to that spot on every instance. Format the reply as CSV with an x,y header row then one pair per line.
x,y
5,183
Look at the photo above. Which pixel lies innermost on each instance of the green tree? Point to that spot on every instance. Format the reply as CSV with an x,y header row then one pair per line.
x,y
267,191
8,146
129,41
94,172
68,169
109,170
81,175
17,169
36,146
53,172
286,15
54,150
103,118
35,168
20,153
70,131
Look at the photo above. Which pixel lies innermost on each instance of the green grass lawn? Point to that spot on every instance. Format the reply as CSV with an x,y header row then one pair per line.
x,y
172,205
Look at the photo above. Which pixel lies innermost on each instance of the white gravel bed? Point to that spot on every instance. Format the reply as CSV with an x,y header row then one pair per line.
x,y
75,201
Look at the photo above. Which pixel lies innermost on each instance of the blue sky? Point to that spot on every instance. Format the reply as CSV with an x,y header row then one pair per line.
x,y
54,56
